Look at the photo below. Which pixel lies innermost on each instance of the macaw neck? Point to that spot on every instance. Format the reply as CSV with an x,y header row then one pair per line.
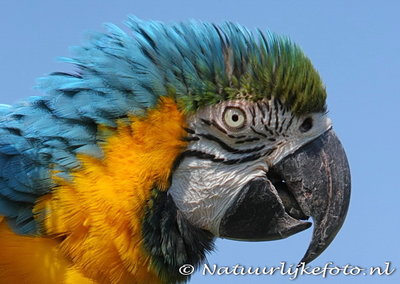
x,y
107,227
171,240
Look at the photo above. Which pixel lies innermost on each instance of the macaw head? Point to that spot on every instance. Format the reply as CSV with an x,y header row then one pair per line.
x,y
260,156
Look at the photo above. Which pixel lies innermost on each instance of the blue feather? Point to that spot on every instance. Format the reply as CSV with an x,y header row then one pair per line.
x,y
28,227
8,191
8,207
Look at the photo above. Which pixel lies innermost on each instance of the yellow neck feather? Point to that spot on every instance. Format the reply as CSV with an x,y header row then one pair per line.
x,y
99,213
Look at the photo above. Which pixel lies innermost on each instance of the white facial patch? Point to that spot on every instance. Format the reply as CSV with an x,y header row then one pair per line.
x,y
203,190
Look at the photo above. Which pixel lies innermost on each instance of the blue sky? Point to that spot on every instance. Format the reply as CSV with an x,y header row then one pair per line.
x,y
355,45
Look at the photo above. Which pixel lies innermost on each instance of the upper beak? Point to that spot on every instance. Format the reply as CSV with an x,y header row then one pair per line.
x,y
318,176
314,181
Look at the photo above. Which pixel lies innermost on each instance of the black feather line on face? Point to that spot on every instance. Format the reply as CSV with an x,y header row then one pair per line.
x,y
170,240
213,158
229,148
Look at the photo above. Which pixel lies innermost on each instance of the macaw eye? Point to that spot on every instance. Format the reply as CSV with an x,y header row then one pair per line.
x,y
234,117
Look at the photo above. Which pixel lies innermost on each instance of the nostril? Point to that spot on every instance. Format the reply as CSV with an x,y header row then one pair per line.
x,y
306,125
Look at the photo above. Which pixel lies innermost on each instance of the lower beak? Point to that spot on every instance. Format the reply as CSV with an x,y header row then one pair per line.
x,y
314,181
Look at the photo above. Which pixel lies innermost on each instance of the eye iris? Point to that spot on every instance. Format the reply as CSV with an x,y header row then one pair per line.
x,y
234,117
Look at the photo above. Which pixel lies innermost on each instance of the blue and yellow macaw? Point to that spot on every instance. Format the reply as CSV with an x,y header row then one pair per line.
x,y
162,140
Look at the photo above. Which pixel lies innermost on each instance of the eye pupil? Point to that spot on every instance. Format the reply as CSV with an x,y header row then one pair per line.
x,y
235,117
306,125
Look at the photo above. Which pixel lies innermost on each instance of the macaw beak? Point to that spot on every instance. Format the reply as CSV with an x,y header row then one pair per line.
x,y
312,182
